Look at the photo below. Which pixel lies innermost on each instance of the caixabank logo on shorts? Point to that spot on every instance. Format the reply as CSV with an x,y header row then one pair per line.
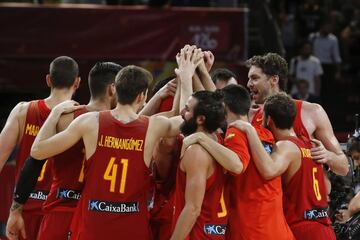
x,y
213,229
113,207
68,194
315,214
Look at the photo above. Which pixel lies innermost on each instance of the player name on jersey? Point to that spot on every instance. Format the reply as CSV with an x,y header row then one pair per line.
x,y
32,130
114,207
128,144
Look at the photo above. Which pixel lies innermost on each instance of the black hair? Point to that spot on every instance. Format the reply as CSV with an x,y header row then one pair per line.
x,y
130,82
237,99
63,72
222,74
101,76
282,110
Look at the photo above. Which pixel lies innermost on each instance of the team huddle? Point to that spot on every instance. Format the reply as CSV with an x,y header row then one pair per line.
x,y
194,162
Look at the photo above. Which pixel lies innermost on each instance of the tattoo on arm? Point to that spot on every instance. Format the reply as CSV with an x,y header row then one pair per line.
x,y
15,206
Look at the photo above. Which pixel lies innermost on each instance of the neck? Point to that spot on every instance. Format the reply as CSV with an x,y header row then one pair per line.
x,y
281,134
98,105
57,96
125,113
208,134
232,117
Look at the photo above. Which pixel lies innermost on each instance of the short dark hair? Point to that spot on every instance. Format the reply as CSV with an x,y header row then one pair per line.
x,y
101,76
237,99
282,110
353,144
63,72
130,82
222,74
271,64
210,105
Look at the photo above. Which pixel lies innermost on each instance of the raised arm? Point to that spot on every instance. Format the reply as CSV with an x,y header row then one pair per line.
x,y
152,107
196,175
203,71
10,134
48,143
273,165
228,159
328,150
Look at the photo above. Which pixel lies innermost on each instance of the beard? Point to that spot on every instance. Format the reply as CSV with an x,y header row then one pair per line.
x,y
188,127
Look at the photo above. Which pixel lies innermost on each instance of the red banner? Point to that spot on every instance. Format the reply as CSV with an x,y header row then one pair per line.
x,y
95,31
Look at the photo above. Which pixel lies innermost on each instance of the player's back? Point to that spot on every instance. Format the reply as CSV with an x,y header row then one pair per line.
x,y
305,200
113,204
256,203
68,177
37,113
211,223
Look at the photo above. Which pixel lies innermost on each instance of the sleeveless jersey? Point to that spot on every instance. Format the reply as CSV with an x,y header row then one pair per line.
x,y
114,198
35,118
298,126
257,119
305,194
211,223
68,177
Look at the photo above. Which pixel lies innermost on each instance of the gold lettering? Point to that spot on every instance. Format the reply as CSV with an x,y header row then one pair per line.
x,y
128,144
101,141
306,152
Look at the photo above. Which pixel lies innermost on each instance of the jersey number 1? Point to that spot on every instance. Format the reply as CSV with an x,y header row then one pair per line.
x,y
111,174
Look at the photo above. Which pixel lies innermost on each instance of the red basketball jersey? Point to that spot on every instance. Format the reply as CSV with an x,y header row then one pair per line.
x,y
305,194
211,224
68,177
114,198
257,119
35,118
298,126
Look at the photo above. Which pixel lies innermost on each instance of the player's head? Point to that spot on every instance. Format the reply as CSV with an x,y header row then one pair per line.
x,y
63,73
223,77
131,84
204,111
237,100
279,112
353,149
102,81
267,75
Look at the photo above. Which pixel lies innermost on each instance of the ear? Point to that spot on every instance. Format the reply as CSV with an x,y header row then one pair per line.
x,y
76,84
274,80
200,120
111,90
48,80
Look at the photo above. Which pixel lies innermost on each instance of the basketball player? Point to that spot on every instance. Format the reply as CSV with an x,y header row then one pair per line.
x,y
305,201
68,167
256,209
118,148
21,128
267,76
200,198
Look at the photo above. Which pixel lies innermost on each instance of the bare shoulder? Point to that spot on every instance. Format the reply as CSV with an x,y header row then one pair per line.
x,y
198,152
87,121
65,121
20,110
312,108
286,147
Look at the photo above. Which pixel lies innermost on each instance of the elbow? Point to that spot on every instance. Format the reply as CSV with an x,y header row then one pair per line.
x,y
36,153
237,169
194,211
269,175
